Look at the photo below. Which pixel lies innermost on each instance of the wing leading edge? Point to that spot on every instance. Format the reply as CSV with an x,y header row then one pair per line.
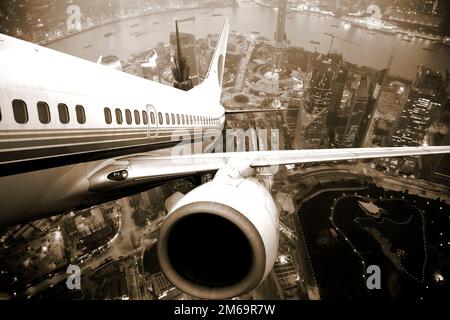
x,y
142,168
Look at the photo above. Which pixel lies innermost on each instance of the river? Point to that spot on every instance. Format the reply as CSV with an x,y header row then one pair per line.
x,y
373,50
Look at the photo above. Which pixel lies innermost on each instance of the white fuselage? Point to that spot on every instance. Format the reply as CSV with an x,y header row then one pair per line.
x,y
61,117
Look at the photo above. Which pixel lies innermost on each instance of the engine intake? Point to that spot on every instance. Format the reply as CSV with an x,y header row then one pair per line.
x,y
221,239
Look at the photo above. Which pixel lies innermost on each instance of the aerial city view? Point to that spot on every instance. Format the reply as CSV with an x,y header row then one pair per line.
x,y
99,198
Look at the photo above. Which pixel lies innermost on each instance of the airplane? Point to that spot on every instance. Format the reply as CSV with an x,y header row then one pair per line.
x,y
74,134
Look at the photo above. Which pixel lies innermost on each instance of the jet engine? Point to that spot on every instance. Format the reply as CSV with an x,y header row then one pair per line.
x,y
221,239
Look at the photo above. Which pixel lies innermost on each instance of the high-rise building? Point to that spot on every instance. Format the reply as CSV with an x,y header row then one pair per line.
x,y
428,7
436,168
280,33
311,125
280,37
375,88
359,109
189,52
415,119
318,91
337,92
441,172
429,82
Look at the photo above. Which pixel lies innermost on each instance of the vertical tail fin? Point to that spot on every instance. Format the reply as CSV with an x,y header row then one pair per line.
x,y
212,85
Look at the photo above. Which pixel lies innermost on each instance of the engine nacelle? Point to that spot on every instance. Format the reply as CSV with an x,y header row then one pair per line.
x,y
221,239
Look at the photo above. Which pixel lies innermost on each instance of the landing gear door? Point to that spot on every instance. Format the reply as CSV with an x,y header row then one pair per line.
x,y
152,124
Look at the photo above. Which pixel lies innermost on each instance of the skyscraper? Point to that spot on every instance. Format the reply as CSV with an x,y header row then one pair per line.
x,y
280,33
429,82
337,91
280,36
375,88
355,128
311,126
424,98
189,52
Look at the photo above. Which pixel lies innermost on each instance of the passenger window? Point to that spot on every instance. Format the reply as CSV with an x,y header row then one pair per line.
x,y
128,116
178,118
63,113
119,119
173,118
167,118
152,117
43,112
108,116
20,111
160,118
182,119
0,114
137,117
144,117
81,116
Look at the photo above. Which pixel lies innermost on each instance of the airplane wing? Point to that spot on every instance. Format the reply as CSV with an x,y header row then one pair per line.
x,y
241,111
142,168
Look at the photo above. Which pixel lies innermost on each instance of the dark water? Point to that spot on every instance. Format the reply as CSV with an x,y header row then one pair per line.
x,y
301,29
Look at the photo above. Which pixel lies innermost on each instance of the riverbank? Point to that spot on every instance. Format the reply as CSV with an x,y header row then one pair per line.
x,y
372,25
118,18
374,51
